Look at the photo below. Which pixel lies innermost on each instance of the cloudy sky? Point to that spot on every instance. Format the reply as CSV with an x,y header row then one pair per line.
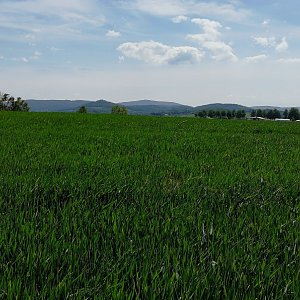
x,y
189,51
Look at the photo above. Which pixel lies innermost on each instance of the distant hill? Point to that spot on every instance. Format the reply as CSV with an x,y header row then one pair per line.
x,y
100,106
151,103
222,106
55,105
151,107
269,108
138,107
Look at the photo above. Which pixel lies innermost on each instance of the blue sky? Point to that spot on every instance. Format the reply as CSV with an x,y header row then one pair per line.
x,y
191,51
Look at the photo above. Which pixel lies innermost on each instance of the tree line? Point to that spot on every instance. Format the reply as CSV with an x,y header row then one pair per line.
x,y
292,114
272,114
222,114
10,103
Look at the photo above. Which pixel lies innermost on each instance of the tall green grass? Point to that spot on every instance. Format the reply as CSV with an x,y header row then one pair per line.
x,y
114,207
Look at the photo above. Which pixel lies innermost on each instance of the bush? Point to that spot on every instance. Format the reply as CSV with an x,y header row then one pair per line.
x,y
82,110
119,110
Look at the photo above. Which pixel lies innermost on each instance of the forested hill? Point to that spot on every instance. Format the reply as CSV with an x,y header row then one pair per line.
x,y
139,107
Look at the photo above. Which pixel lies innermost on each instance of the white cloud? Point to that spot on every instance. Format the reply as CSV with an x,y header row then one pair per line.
x,y
55,49
179,19
265,41
60,8
36,55
266,22
51,18
229,11
220,51
157,7
282,46
210,40
157,53
30,37
210,29
272,42
256,59
74,17
113,34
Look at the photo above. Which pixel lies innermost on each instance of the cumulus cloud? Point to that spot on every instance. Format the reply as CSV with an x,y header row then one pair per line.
x,y
282,46
256,59
271,42
211,40
179,19
157,53
210,29
265,41
113,34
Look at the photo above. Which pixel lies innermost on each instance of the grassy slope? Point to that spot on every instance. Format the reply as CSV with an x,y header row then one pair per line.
x,y
157,208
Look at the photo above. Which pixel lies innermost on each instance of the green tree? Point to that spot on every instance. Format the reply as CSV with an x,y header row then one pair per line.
x,y
277,114
201,114
240,114
82,110
119,110
270,114
286,114
294,114
253,113
211,113
259,113
229,114
8,102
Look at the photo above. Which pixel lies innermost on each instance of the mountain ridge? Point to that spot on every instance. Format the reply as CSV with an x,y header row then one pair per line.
x,y
137,107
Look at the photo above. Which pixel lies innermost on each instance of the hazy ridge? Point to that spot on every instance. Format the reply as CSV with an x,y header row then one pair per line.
x,y
137,107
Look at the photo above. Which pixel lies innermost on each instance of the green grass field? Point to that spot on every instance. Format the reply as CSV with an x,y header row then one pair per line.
x,y
112,207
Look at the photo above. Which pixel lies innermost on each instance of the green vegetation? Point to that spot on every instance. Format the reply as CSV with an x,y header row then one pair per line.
x,y
222,114
9,103
106,207
292,114
271,114
82,110
119,110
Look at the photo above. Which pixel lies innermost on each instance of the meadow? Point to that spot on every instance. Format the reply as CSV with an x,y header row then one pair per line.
x,y
125,207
